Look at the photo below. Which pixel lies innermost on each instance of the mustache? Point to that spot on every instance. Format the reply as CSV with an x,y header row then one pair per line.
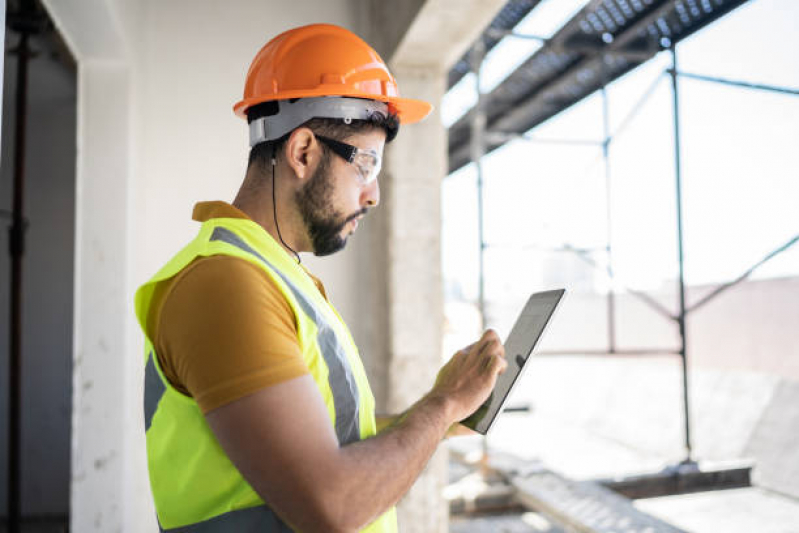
x,y
361,212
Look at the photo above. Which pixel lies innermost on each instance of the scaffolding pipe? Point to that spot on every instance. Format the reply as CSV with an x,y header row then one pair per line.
x,y
741,84
680,255
723,287
637,107
611,296
625,351
501,137
478,127
651,302
498,33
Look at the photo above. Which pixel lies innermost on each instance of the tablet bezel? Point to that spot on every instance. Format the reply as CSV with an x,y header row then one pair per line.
x,y
532,301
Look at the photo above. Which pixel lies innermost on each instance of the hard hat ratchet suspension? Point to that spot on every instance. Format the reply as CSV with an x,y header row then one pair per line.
x,y
292,114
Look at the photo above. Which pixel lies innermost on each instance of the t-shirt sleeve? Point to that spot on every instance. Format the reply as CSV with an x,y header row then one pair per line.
x,y
225,331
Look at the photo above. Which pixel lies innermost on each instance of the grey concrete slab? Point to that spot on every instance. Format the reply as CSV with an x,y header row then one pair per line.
x,y
775,442
730,511
726,407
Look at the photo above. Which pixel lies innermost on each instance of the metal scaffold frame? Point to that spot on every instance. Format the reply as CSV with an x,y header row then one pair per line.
x,y
480,138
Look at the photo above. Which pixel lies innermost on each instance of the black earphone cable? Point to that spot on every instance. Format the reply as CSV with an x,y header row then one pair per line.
x,y
274,210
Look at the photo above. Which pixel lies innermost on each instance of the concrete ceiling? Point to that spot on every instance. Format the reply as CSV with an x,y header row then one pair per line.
x,y
439,31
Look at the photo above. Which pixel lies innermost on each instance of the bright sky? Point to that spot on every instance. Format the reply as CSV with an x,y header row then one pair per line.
x,y
740,166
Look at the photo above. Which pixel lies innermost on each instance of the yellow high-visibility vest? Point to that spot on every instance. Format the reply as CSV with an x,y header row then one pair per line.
x,y
195,486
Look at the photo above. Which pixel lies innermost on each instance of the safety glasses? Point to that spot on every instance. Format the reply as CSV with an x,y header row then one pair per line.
x,y
368,163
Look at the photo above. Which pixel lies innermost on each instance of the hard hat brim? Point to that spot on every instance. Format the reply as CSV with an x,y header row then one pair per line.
x,y
408,110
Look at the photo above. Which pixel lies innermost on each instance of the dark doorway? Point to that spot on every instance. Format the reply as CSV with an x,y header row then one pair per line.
x,y
45,376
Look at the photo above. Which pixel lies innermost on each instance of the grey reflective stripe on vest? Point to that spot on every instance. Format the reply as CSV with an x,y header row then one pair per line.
x,y
340,378
258,519
154,388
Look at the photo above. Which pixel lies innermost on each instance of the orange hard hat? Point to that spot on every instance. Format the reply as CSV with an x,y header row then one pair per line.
x,y
324,60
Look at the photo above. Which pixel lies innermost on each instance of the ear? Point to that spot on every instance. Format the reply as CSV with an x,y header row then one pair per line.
x,y
302,152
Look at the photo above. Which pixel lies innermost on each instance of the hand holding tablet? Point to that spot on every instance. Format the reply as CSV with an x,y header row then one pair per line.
x,y
470,375
518,347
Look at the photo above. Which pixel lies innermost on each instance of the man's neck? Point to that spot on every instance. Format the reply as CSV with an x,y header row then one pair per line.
x,y
256,202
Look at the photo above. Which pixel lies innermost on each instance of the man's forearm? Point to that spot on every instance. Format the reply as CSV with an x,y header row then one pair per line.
x,y
294,461
381,469
384,421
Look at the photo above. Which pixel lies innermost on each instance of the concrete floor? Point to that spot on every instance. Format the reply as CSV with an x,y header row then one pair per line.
x,y
595,418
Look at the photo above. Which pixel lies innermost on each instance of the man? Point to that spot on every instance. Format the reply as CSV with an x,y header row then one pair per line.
x,y
258,413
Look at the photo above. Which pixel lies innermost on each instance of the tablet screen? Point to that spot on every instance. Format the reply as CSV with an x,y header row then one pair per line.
x,y
518,347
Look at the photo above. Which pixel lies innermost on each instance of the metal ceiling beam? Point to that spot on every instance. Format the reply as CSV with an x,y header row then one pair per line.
x,y
598,45
508,17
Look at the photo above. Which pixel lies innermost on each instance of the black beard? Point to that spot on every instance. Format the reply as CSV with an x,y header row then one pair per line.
x,y
322,221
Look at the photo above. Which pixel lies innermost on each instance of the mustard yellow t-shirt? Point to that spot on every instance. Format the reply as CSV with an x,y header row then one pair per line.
x,y
221,327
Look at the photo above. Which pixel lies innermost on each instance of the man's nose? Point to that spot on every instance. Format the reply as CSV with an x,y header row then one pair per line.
x,y
370,195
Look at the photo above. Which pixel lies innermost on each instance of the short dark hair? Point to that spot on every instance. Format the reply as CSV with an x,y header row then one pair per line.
x,y
335,128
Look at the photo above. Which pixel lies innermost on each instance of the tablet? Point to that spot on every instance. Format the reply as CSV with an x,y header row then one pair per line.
x,y
518,347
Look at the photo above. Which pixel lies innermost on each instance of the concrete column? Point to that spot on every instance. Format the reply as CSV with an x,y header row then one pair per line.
x,y
415,165
108,488
421,40
100,429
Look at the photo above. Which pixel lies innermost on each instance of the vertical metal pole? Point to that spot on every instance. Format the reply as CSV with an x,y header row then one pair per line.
x,y
682,314
478,124
2,58
16,249
611,299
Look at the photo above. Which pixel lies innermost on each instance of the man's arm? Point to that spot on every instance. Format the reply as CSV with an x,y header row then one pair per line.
x,y
282,442
385,421
455,430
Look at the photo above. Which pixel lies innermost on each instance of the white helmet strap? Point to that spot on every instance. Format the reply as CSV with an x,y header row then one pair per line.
x,y
293,114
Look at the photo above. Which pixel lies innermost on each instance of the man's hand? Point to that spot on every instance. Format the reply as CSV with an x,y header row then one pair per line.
x,y
468,378
459,430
